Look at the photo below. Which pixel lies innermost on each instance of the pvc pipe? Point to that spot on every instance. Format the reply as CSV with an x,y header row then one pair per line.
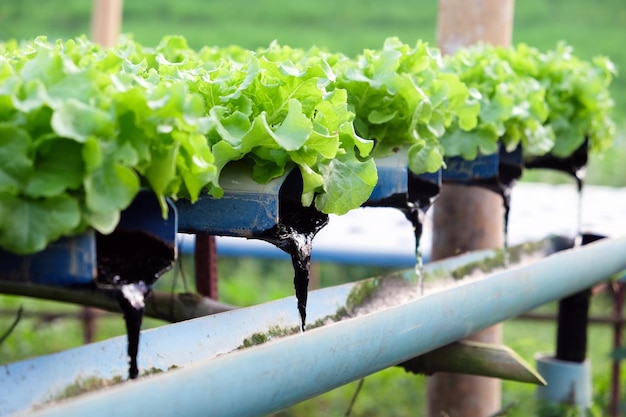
x,y
333,253
269,377
568,382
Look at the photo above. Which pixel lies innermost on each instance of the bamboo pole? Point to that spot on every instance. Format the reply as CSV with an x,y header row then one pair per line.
x,y
468,218
475,358
160,305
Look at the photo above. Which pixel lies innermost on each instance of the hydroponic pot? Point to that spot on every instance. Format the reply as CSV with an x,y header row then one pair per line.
x,y
493,171
399,187
77,260
570,165
272,212
142,246
247,208
67,261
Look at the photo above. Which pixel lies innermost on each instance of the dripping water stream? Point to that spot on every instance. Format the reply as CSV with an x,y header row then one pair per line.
x,y
416,214
579,176
131,300
422,191
505,193
297,242
573,165
510,168
503,187
129,262
421,194
293,233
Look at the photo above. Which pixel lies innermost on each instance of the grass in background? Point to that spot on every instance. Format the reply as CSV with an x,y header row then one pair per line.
x,y
591,27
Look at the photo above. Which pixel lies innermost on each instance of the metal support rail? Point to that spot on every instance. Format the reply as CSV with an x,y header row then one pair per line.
x,y
220,379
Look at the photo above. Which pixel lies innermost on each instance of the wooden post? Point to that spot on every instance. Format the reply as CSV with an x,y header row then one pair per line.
x,y
468,218
205,257
106,18
106,21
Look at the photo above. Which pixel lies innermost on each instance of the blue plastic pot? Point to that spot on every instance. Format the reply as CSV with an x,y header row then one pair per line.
x,y
67,261
245,210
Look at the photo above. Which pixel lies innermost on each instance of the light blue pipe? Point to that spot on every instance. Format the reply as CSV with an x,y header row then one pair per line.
x,y
568,382
266,378
237,247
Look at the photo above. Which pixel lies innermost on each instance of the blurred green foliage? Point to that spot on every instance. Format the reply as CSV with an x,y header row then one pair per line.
x,y
592,28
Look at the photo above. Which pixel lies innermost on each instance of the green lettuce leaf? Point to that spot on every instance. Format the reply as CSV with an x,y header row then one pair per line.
x,y
28,225
83,128
58,167
402,99
348,183
15,163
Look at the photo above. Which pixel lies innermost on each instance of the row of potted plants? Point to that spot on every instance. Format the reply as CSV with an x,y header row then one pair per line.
x,y
84,128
